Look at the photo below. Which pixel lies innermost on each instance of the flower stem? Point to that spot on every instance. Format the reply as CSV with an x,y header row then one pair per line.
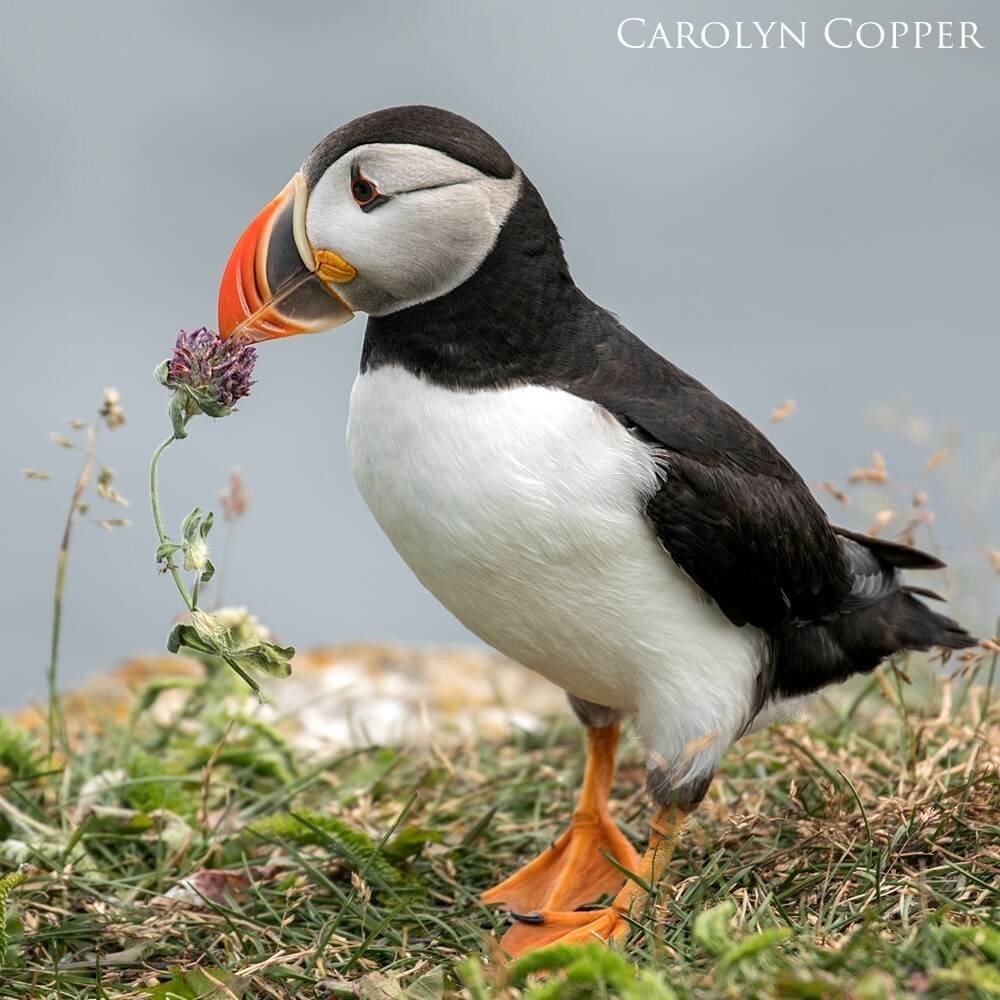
x,y
154,501
55,720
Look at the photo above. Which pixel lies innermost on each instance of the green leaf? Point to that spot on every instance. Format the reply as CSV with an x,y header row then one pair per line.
x,y
166,550
470,972
176,639
160,372
189,526
208,572
585,970
650,986
247,678
408,842
7,884
199,984
874,985
186,637
178,414
753,945
711,928
985,937
147,791
356,848
19,754
388,986
126,822
213,409
969,974
201,401
430,986
206,525
209,635
268,658
11,935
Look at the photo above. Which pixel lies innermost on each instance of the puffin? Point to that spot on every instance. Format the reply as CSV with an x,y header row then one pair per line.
x,y
574,499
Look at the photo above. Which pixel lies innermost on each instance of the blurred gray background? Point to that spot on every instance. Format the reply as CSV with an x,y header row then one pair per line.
x,y
817,225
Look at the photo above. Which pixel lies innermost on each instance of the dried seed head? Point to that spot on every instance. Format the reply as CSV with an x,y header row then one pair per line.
x,y
106,487
111,412
882,519
839,495
874,474
236,498
786,409
908,534
362,888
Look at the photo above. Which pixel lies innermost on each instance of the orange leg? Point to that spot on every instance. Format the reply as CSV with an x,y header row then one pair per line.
x,y
573,870
548,926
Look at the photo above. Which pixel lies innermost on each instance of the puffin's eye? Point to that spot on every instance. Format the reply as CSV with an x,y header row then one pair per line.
x,y
363,190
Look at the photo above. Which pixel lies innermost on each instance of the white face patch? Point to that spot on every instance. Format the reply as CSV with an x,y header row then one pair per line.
x,y
440,221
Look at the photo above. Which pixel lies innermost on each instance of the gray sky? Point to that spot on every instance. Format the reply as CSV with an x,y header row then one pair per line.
x,y
817,224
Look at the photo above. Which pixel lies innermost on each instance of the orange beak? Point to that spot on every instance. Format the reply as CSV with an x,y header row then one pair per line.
x,y
274,285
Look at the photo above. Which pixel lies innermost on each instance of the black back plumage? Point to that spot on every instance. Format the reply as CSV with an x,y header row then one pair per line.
x,y
730,510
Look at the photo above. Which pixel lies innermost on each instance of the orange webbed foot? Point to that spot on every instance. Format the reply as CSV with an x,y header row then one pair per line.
x,y
531,931
543,927
573,871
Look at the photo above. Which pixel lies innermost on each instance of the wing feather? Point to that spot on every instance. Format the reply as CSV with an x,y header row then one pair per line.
x,y
730,511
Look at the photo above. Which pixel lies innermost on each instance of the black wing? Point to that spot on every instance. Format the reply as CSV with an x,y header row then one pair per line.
x,y
730,511
738,519
758,544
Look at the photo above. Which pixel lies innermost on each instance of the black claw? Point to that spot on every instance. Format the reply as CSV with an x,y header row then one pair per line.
x,y
528,918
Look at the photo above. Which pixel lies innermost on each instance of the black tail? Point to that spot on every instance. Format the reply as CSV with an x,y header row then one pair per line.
x,y
880,617
893,553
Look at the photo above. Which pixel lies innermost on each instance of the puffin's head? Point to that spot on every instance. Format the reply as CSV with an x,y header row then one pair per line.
x,y
393,209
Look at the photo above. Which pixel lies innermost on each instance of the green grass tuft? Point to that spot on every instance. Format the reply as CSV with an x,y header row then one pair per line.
x,y
19,753
854,856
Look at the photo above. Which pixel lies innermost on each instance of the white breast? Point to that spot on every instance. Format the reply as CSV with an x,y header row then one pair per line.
x,y
521,510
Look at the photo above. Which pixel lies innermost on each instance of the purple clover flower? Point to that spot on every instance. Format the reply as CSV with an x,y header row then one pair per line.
x,y
208,375
219,369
